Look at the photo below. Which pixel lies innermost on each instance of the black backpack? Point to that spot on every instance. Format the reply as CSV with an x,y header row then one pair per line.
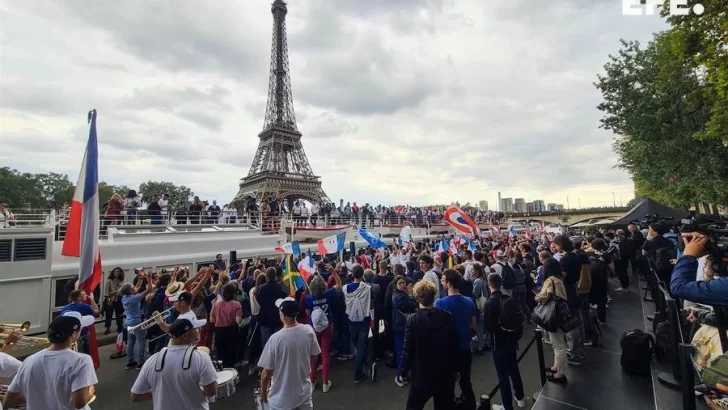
x,y
637,348
663,341
511,319
509,277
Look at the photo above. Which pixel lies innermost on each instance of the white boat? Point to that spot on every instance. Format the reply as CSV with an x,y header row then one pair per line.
x,y
35,278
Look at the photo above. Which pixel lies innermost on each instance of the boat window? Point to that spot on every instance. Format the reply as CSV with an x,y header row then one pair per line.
x,y
30,249
6,245
64,287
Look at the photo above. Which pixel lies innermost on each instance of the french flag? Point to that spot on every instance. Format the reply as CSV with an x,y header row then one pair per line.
x,y
82,231
307,267
332,244
291,248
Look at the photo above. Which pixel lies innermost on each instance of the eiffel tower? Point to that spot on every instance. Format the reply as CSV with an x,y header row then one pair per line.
x,y
280,167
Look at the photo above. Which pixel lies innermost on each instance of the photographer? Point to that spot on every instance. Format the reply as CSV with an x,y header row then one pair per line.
x,y
683,283
659,250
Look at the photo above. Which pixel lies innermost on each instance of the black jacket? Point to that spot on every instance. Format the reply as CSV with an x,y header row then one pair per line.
x,y
491,319
431,344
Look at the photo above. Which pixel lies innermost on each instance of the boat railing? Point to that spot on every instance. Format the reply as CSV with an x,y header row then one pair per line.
x,y
266,222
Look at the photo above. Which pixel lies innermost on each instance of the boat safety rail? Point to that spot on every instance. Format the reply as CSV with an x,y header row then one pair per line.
x,y
28,218
485,399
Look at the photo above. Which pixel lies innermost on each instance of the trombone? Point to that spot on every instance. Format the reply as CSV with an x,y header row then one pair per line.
x,y
155,320
6,329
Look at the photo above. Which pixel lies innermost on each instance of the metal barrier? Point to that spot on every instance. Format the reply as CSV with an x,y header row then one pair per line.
x,y
485,399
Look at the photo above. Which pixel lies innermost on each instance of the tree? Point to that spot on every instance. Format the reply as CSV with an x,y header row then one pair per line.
x,y
177,194
107,190
654,101
55,189
704,42
631,203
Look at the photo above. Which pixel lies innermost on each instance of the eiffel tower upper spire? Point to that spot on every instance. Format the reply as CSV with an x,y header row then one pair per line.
x,y
279,111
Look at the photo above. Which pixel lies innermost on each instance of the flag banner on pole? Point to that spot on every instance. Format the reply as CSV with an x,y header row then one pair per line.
x,y
291,248
458,219
307,267
292,276
372,240
332,244
82,232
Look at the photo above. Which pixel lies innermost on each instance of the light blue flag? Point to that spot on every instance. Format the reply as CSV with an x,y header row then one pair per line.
x,y
372,240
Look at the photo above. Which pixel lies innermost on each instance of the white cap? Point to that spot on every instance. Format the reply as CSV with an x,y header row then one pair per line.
x,y
499,254
279,302
86,320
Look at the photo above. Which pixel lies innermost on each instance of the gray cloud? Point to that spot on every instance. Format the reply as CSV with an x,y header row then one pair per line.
x,y
438,100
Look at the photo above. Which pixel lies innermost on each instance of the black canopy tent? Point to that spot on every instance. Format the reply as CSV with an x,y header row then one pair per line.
x,y
649,207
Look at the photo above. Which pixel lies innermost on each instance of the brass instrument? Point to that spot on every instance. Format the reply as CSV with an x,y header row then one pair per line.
x,y
6,329
155,320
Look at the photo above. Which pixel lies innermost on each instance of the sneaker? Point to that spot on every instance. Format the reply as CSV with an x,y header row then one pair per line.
x,y
574,361
107,332
131,365
620,289
588,343
244,363
138,368
547,341
374,372
251,371
327,386
398,381
498,407
360,378
521,403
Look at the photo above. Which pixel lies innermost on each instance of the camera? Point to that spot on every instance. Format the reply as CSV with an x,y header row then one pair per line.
x,y
650,219
716,229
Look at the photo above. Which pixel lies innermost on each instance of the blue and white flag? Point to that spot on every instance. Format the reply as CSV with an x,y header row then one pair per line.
x,y
291,248
372,240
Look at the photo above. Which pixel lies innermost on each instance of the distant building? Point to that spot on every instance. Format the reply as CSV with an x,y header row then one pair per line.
x,y
555,207
483,205
499,204
519,205
539,206
530,207
506,205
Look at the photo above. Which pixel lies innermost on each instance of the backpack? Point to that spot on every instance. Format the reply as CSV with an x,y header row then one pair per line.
x,y
585,280
356,310
509,277
520,275
319,320
637,348
663,341
511,319
662,259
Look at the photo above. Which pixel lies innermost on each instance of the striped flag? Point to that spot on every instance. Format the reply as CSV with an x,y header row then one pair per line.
x,y
82,231
291,248
332,244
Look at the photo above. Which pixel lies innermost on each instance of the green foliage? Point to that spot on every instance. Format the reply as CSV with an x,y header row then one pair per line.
x,y
177,194
655,100
631,203
703,40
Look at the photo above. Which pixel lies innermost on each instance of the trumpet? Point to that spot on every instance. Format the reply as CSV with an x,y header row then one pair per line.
x,y
155,320
6,329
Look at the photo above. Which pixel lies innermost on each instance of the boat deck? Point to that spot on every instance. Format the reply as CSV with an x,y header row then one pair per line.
x,y
599,383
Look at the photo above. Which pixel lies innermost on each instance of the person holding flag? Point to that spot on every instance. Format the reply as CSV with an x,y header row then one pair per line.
x,y
82,231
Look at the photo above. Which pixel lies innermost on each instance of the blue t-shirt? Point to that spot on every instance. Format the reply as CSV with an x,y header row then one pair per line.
x,y
132,309
463,310
82,308
324,302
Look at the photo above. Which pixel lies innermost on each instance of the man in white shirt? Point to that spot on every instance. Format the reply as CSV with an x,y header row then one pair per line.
x,y
286,362
56,377
178,377
315,209
163,202
426,263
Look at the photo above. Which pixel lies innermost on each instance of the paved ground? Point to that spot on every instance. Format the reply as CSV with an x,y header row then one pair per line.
x,y
114,384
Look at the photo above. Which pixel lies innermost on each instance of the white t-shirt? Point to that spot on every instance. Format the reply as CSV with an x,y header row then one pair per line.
x,y
432,277
162,204
8,367
46,379
288,355
174,388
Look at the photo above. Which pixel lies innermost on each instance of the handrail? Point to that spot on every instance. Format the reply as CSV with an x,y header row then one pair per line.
x,y
486,398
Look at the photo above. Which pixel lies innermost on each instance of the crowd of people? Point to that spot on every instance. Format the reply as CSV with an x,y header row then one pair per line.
x,y
427,312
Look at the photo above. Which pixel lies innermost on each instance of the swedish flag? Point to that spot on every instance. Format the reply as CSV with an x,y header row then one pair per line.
x,y
292,276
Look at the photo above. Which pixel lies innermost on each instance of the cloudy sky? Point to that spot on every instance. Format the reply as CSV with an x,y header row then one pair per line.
x,y
399,101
